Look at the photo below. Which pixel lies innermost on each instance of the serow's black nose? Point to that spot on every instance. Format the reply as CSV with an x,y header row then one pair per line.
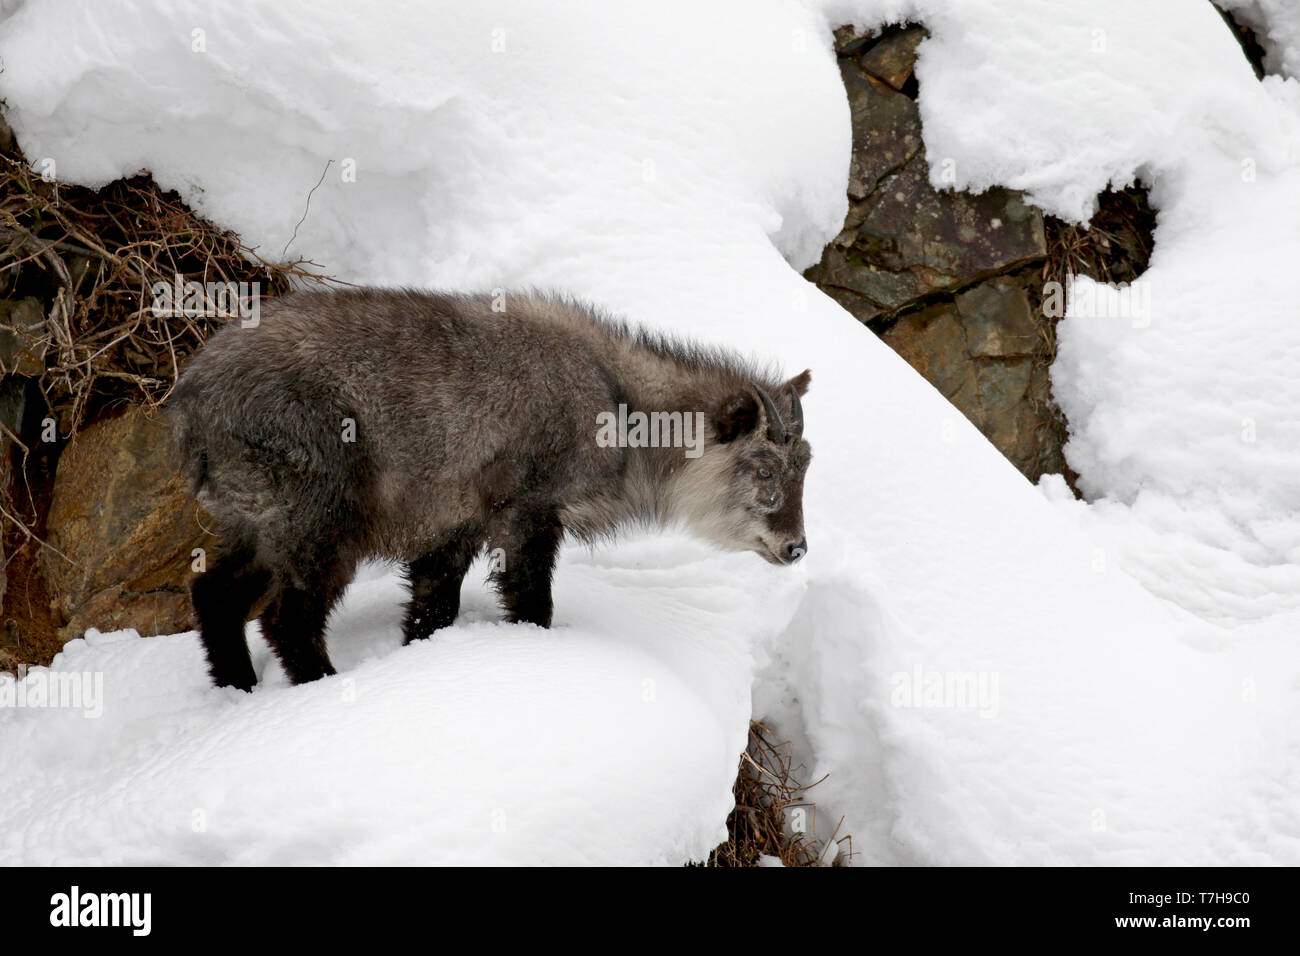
x,y
796,550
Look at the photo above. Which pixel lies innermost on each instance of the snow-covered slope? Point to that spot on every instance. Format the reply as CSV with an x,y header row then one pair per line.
x,y
679,163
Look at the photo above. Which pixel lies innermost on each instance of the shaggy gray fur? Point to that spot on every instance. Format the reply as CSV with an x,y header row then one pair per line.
x,y
421,427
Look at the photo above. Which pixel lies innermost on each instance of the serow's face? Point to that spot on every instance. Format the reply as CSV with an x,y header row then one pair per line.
x,y
767,457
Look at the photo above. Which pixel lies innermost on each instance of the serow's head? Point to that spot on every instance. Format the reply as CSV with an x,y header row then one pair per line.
x,y
761,459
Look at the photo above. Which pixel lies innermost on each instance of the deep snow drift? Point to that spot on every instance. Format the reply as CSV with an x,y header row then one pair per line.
x,y
965,654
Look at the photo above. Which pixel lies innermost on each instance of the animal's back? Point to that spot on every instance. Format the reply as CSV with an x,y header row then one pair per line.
x,y
425,406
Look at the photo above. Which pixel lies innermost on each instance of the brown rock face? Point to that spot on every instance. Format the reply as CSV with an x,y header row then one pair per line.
x,y
946,278
128,526
893,58
986,353
999,321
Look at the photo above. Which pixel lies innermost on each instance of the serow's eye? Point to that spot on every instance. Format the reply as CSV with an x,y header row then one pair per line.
x,y
764,474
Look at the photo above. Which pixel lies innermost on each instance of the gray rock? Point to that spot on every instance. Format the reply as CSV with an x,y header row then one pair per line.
x,y
903,241
887,130
941,273
932,242
999,320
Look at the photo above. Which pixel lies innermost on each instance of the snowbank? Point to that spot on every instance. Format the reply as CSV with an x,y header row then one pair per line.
x,y
969,660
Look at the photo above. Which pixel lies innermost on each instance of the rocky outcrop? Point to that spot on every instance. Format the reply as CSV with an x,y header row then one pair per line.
x,y
95,530
125,527
986,352
950,280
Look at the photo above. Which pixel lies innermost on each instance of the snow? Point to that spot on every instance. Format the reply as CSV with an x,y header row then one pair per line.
x,y
989,672
434,753
1276,24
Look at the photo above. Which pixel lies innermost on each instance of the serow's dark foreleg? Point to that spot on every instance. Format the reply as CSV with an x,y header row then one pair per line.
x,y
524,554
294,622
435,580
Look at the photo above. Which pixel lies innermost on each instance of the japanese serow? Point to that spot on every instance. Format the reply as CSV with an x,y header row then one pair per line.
x,y
426,427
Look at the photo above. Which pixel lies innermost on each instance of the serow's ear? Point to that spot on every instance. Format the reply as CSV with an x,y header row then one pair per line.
x,y
736,416
800,382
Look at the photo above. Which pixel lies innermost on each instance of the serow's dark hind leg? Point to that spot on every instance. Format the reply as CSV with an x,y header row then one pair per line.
x,y
435,580
294,622
222,596
528,544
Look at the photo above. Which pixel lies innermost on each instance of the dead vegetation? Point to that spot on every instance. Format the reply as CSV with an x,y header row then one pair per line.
x,y
773,816
1114,246
79,335
91,257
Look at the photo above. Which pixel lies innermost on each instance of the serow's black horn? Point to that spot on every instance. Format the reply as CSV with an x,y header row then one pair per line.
x,y
775,427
